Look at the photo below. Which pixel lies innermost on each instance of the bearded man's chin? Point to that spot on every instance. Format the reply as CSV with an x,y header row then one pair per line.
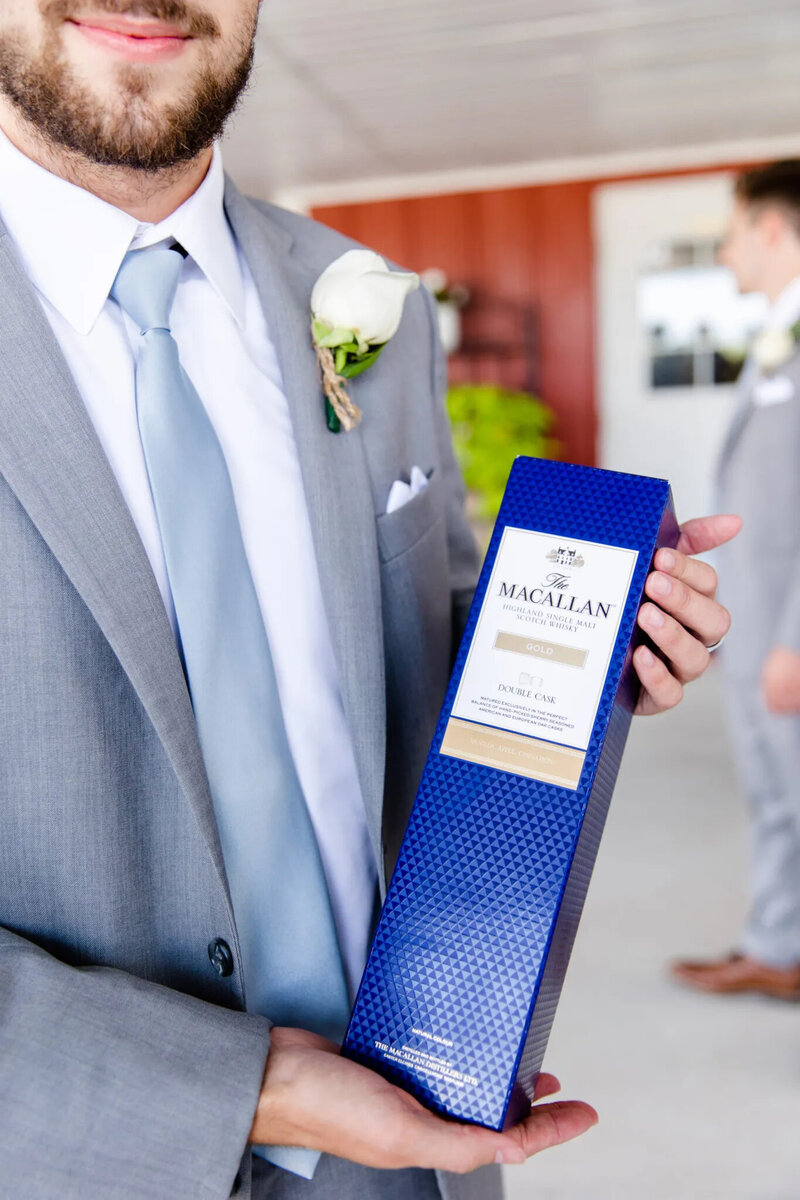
x,y
142,135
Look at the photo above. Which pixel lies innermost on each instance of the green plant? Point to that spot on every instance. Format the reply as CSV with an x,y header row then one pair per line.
x,y
491,425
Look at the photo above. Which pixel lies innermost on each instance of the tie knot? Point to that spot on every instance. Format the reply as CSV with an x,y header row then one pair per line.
x,y
146,283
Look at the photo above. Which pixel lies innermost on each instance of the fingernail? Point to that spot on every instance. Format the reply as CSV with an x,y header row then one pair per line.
x,y
646,657
653,616
667,559
661,585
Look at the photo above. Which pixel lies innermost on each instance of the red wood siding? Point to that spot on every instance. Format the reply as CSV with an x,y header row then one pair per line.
x,y
526,246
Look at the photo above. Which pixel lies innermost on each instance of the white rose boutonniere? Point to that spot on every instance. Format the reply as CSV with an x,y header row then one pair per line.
x,y
774,347
356,307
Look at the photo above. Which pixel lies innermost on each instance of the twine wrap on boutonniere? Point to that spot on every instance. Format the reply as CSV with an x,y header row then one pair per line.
x,y
356,307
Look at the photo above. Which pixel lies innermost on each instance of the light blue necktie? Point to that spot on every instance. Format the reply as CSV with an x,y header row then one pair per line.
x,y
292,965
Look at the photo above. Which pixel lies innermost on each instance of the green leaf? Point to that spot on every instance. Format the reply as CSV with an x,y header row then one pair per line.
x,y
336,337
360,364
491,425
320,330
341,359
333,422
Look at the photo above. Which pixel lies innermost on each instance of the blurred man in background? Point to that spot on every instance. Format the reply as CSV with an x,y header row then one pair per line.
x,y
759,478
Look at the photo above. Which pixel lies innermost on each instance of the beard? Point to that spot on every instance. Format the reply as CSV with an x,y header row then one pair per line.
x,y
134,132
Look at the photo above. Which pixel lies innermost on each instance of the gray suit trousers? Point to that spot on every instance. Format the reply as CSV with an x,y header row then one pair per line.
x,y
767,752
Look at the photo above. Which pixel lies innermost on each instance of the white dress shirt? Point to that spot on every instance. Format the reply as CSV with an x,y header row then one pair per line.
x,y
72,245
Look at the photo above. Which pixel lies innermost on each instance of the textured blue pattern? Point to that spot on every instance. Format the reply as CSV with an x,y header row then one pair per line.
x,y
475,936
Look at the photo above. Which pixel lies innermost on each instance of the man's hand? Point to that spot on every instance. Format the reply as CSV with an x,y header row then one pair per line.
x,y
684,618
780,680
312,1097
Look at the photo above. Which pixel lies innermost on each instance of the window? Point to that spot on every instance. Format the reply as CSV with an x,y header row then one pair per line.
x,y
696,325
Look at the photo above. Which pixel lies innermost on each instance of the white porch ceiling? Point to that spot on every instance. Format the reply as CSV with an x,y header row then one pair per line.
x,y
349,90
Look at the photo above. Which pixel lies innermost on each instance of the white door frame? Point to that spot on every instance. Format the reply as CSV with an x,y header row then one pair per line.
x,y
674,433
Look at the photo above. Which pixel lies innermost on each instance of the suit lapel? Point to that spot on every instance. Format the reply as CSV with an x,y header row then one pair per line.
x,y
746,406
54,463
742,412
338,494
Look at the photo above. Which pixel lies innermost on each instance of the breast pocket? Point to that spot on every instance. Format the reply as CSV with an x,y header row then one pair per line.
x,y
398,531
417,628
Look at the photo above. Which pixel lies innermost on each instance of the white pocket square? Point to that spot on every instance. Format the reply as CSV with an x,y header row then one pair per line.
x,y
773,389
400,492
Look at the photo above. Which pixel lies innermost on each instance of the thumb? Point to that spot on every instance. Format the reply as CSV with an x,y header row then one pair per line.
x,y
705,533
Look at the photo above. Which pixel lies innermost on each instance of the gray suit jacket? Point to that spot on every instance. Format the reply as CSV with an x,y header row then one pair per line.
x,y
759,478
128,1067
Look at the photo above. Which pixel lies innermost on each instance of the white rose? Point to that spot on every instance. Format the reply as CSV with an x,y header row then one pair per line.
x,y
358,292
773,348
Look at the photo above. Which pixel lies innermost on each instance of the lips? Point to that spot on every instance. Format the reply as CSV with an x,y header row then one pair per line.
x,y
130,27
132,39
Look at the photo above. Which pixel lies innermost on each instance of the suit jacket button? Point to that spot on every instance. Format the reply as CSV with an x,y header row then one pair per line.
x,y
219,953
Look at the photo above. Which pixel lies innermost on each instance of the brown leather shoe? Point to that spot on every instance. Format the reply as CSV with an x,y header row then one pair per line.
x,y
738,973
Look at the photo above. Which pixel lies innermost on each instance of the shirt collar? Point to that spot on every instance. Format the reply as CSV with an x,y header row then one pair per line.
x,y
201,227
786,309
72,243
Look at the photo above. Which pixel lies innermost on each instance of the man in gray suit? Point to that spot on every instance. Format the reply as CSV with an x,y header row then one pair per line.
x,y
177,789
759,477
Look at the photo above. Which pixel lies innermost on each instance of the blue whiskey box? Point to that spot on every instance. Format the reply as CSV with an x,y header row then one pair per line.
x,y
469,956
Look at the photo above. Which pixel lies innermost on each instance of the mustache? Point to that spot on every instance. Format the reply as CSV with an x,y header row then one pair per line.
x,y
190,21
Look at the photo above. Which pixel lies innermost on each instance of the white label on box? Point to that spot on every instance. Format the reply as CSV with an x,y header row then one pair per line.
x,y
539,655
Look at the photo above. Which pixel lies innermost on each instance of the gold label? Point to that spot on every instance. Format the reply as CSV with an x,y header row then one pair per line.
x,y
518,753
540,653
569,656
